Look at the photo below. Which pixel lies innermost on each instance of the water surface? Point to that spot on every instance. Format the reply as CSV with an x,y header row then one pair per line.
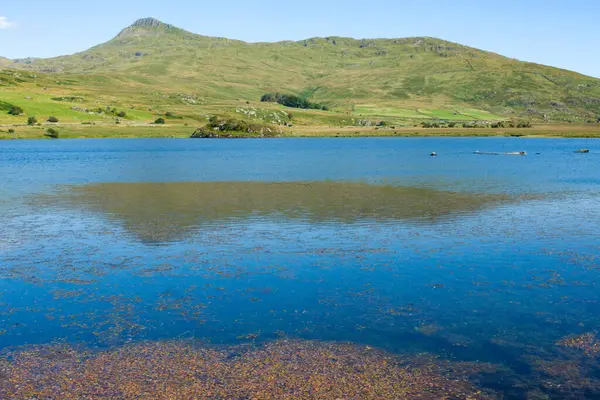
x,y
472,258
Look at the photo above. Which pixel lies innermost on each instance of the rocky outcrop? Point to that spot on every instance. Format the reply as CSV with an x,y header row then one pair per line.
x,y
150,23
232,128
147,23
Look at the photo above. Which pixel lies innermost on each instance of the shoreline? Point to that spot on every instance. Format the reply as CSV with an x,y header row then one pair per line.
x,y
74,131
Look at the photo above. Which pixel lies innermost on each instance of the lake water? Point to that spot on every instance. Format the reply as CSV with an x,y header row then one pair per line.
x,y
488,260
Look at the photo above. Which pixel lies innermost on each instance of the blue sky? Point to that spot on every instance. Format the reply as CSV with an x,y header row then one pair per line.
x,y
563,33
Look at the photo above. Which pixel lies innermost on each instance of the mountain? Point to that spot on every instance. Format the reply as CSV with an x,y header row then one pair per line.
x,y
151,65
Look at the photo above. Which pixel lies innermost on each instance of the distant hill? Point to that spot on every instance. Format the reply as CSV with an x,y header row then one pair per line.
x,y
409,78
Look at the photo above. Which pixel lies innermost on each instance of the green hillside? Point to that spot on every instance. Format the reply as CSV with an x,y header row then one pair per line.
x,y
151,68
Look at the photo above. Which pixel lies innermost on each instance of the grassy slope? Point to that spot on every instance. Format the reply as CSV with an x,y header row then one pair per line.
x,y
150,70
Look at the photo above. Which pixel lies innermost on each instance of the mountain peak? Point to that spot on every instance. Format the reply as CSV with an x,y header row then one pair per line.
x,y
150,23
145,26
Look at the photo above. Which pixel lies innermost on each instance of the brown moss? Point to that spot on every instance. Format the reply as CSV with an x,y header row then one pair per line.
x,y
176,370
588,343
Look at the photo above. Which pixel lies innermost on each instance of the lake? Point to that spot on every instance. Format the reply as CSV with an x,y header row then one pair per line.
x,y
486,265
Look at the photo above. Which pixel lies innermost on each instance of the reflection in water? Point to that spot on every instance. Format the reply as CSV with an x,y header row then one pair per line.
x,y
163,212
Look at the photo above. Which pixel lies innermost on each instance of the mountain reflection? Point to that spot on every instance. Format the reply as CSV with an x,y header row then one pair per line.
x,y
164,212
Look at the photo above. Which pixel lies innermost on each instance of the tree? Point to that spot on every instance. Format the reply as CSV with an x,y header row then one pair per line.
x,y
160,121
15,110
122,114
32,120
52,119
11,131
52,133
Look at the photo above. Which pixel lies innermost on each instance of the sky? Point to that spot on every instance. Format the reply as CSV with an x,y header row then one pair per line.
x,y
563,34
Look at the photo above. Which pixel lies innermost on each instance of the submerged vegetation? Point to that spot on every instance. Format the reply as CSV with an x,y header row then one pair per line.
x,y
280,370
587,342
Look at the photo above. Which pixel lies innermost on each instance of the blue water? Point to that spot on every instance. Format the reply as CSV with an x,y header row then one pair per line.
x,y
499,283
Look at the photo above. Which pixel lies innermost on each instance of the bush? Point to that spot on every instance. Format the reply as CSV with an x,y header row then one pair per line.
x,y
269,98
15,110
52,119
52,133
11,131
121,114
32,121
160,121
525,124
69,98
451,124
290,100
170,114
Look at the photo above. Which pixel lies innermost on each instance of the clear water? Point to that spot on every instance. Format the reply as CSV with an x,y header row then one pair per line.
x,y
471,257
